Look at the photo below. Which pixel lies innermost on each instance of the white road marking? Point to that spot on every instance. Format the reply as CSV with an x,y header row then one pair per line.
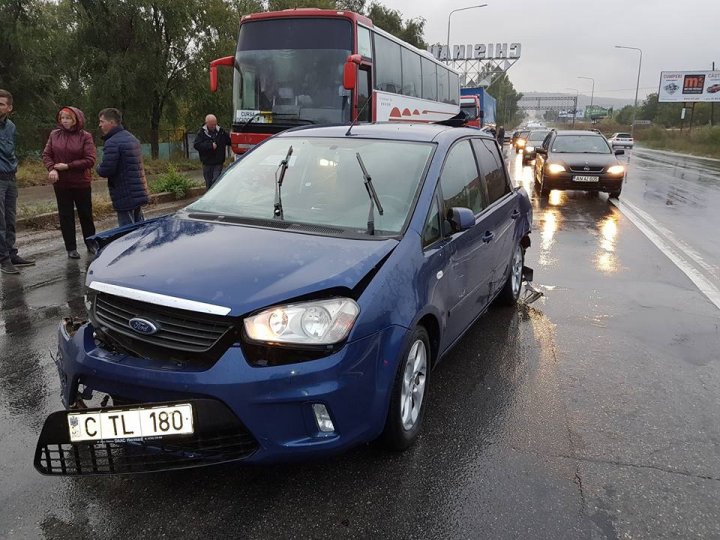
x,y
672,248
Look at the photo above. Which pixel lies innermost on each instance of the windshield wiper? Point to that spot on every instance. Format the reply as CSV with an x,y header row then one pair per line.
x,y
374,201
279,177
274,114
252,119
297,118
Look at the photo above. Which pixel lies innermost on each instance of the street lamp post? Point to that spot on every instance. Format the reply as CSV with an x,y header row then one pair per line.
x,y
637,87
592,94
577,93
449,53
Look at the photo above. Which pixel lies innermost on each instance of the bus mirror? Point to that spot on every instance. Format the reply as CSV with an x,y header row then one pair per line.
x,y
349,76
225,61
213,79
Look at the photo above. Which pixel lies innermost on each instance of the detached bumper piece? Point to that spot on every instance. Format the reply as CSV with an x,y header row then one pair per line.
x,y
219,437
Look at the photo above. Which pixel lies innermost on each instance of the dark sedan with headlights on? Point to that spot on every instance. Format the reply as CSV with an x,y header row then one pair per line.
x,y
581,160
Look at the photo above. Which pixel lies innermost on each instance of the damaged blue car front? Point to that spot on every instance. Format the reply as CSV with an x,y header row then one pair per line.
x,y
295,310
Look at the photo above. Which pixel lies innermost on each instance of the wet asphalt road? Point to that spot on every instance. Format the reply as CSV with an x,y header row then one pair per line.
x,y
591,414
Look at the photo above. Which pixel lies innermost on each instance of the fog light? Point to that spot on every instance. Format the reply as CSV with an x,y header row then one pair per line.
x,y
322,418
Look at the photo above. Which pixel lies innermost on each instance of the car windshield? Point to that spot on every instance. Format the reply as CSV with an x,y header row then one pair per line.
x,y
324,183
537,136
622,135
581,144
470,109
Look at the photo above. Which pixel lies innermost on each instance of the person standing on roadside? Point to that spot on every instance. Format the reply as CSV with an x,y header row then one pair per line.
x,y
69,157
9,258
211,142
501,136
122,165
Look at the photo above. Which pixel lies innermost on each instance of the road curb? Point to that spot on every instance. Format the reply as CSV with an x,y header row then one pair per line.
x,y
51,219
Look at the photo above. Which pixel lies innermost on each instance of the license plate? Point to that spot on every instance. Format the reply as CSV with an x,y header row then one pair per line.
x,y
586,178
151,422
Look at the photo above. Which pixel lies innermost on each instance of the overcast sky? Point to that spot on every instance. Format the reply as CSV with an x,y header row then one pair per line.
x,y
562,39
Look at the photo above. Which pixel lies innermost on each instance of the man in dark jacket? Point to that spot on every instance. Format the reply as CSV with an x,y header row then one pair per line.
x,y
9,258
122,165
211,142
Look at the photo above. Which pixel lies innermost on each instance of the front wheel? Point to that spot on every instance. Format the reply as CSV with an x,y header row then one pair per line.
x,y
408,393
614,194
511,290
543,191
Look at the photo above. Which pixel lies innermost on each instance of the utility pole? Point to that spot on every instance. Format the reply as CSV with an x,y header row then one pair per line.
x,y
712,107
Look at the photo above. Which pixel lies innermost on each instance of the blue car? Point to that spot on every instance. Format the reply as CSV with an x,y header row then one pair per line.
x,y
295,310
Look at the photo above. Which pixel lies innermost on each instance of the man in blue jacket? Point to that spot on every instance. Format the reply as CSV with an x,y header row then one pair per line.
x,y
9,258
122,165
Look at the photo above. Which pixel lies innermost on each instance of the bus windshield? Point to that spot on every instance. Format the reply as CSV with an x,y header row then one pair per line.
x,y
291,71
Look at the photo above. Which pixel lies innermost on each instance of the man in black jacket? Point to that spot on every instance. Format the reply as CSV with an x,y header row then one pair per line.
x,y
211,143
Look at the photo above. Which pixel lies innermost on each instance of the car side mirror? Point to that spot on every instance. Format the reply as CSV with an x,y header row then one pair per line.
x,y
540,150
461,219
619,152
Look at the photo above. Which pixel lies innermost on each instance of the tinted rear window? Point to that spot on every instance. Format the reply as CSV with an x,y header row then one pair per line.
x,y
295,34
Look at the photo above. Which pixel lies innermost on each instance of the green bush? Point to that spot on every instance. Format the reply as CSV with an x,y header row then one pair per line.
x,y
172,182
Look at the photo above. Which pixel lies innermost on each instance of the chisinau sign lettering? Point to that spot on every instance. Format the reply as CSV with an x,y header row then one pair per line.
x,y
480,51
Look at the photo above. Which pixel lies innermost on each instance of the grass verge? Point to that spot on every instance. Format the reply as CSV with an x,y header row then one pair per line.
x,y
32,172
102,207
702,141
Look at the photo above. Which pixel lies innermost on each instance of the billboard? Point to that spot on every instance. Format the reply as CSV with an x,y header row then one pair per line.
x,y
689,86
595,112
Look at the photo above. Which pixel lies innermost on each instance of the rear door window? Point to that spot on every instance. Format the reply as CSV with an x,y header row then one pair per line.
x,y
492,168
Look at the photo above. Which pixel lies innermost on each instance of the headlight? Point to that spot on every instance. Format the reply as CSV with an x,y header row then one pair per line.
x,y
529,148
616,169
322,322
555,168
521,142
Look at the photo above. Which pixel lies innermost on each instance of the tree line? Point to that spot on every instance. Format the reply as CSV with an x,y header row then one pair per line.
x,y
148,58
668,114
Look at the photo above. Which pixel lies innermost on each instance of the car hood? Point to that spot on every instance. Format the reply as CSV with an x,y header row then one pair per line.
x,y
579,160
238,267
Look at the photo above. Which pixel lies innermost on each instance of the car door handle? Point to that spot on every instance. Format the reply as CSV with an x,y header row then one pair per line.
x,y
515,214
488,236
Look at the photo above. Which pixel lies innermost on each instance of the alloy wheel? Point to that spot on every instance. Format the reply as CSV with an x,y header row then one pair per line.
x,y
413,384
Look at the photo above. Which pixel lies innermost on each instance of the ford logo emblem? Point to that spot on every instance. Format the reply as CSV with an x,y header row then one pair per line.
x,y
143,326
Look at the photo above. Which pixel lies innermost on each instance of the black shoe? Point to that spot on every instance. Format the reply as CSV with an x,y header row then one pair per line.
x,y
92,250
73,254
7,267
17,260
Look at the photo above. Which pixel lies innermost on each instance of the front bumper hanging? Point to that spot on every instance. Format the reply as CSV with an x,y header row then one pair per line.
x,y
219,437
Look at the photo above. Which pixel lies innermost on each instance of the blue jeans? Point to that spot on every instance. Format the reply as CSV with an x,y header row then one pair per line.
x,y
128,217
8,214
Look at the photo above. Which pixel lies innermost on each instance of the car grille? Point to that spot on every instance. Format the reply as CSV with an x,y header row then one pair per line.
x,y
181,334
97,458
586,169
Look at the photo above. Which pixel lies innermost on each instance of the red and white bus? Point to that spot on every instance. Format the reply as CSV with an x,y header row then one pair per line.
x,y
311,66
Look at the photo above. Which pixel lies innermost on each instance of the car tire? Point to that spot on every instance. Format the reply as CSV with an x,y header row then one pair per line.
x,y
405,414
544,191
615,194
513,285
